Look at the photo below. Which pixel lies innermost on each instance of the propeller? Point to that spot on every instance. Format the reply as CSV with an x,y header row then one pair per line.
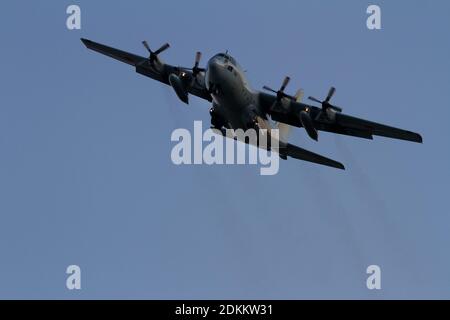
x,y
196,69
299,95
154,54
284,129
280,93
326,103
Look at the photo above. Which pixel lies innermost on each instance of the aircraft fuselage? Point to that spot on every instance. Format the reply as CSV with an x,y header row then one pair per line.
x,y
233,99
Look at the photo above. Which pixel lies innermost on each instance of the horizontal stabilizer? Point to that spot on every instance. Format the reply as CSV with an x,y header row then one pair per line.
x,y
302,154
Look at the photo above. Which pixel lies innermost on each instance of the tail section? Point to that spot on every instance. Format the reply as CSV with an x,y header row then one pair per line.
x,y
305,155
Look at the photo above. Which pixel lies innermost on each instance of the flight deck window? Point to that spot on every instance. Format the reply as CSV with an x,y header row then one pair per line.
x,y
230,68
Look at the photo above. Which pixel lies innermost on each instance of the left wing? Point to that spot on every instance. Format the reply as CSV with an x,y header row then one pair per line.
x,y
288,111
346,122
155,69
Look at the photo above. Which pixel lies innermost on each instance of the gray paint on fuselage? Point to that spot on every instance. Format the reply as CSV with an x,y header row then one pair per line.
x,y
232,96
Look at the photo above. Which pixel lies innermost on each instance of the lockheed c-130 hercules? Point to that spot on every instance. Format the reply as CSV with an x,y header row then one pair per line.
x,y
235,105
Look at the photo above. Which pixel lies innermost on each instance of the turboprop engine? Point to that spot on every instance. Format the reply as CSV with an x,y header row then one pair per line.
x,y
307,123
187,78
179,87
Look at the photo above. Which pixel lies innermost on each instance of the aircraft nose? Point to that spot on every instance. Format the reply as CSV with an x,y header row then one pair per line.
x,y
213,74
213,68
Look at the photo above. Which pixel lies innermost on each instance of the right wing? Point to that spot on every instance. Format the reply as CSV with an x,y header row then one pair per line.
x,y
159,72
128,58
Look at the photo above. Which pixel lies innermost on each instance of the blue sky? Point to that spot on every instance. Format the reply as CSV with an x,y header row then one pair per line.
x,y
86,176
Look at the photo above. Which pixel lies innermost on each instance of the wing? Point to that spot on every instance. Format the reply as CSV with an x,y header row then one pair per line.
x,y
128,58
343,122
288,112
158,71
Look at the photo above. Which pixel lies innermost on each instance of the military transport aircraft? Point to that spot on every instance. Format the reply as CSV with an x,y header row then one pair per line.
x,y
235,105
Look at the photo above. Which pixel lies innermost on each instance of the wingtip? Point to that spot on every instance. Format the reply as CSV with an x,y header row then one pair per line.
x,y
85,41
338,165
414,137
341,166
419,138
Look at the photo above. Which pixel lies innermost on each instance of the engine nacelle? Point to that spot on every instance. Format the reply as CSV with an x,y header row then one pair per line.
x,y
307,123
179,88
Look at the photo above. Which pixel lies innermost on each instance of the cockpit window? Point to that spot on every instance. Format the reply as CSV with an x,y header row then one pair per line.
x,y
227,57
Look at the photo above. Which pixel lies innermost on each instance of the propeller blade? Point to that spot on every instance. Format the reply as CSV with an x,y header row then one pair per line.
x,y
330,94
336,108
147,46
191,69
315,100
163,48
198,57
283,130
285,83
299,95
269,89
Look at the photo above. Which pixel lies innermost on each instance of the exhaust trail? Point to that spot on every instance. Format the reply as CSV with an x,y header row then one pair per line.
x,y
229,215
364,185
338,216
380,214
173,108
